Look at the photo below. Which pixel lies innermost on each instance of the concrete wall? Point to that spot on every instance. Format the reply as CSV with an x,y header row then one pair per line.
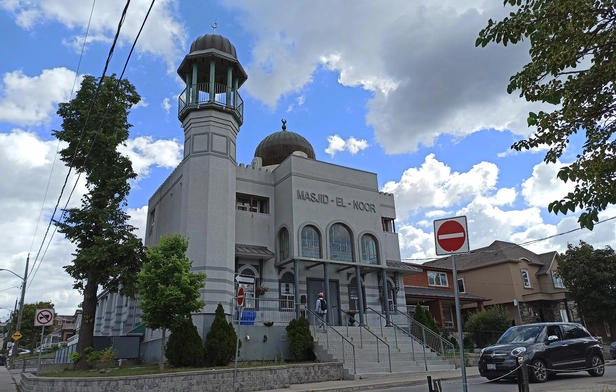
x,y
253,379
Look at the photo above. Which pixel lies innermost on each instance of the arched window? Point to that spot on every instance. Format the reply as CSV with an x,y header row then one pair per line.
x,y
283,244
391,294
287,292
354,297
340,243
369,253
311,242
248,284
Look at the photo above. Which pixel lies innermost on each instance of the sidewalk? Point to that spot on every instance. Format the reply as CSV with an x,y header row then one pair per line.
x,y
387,381
6,381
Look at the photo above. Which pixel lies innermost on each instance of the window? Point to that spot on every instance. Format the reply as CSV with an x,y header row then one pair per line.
x,y
369,254
388,225
391,293
287,292
448,316
525,279
252,203
558,281
248,284
340,243
575,332
461,287
311,242
152,215
437,279
353,297
283,244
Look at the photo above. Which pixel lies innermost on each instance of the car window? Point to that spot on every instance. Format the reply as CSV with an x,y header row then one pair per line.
x,y
521,334
575,332
554,330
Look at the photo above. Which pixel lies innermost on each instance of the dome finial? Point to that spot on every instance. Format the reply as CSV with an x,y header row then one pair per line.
x,y
214,26
284,124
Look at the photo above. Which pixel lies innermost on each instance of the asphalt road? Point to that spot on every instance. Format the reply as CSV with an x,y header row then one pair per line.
x,y
561,383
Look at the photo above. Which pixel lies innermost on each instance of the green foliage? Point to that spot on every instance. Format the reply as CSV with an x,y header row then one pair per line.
x,y
469,344
167,288
425,318
573,68
31,335
300,338
487,326
184,348
74,356
108,253
103,357
589,275
220,341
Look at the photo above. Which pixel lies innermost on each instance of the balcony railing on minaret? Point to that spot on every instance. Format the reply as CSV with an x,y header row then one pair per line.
x,y
201,94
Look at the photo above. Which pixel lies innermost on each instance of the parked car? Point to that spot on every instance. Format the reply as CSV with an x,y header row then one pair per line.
x,y
547,348
2,360
613,350
22,351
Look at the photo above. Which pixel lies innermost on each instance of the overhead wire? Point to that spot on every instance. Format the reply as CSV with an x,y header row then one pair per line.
x,y
100,126
513,245
83,46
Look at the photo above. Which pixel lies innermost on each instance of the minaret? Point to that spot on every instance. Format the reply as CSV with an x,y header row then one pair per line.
x,y
211,111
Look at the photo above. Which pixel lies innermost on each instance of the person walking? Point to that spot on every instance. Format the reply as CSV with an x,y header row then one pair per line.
x,y
321,309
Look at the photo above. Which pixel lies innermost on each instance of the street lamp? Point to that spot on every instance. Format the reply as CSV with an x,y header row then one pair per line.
x,y
21,306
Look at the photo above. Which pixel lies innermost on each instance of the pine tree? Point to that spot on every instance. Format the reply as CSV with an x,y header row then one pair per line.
x,y
221,340
184,348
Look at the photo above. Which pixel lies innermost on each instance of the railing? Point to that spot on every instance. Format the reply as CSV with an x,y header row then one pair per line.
x,y
361,338
346,349
266,311
396,327
199,94
427,337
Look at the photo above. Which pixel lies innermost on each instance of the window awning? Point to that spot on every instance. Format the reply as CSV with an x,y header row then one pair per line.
x,y
253,252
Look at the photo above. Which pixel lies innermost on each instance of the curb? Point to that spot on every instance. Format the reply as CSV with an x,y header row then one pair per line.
x,y
385,385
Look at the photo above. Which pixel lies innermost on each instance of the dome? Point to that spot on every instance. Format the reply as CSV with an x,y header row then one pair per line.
x,y
275,148
213,41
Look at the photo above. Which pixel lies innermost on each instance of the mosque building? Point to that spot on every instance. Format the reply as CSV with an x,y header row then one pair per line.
x,y
284,228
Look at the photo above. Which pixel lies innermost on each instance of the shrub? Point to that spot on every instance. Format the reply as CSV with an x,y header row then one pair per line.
x,y
220,341
184,347
300,338
93,357
74,356
485,327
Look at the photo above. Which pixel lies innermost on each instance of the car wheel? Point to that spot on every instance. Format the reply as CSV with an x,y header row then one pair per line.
x,y
537,371
598,366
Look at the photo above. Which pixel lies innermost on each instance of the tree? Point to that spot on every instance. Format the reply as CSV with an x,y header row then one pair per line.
x,y
590,276
487,326
300,338
220,341
184,348
31,335
167,288
572,45
108,254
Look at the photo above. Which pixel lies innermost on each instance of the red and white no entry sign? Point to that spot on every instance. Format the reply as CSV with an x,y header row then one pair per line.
x,y
240,296
43,317
451,236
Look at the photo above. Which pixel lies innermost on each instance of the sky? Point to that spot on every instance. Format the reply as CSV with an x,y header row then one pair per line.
x,y
396,88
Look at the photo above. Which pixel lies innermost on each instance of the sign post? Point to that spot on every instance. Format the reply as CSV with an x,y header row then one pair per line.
x,y
240,306
451,237
42,318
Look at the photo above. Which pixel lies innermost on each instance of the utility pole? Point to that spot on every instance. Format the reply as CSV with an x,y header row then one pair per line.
x,y
21,312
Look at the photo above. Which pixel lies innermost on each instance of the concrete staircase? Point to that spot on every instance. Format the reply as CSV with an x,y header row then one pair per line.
x,y
372,354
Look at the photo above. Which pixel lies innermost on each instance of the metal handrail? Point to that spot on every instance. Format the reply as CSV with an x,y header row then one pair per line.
x,y
343,339
435,342
381,317
210,93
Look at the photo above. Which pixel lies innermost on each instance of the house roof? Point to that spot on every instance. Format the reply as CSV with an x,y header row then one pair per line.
x,y
496,253
253,251
403,267
430,292
547,259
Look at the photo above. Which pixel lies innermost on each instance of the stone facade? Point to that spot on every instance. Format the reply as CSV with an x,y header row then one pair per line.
x,y
254,379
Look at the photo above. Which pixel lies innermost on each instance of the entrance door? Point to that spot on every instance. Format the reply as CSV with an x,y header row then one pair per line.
x,y
316,286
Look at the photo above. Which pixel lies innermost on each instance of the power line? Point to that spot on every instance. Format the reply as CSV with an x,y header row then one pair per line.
x,y
83,46
513,246
101,122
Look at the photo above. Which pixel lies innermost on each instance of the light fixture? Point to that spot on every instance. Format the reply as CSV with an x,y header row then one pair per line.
x,y
247,337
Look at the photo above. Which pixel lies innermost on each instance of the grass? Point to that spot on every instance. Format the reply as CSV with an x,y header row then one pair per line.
x,y
140,370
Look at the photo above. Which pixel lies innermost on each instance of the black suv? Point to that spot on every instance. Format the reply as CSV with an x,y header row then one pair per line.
x,y
547,348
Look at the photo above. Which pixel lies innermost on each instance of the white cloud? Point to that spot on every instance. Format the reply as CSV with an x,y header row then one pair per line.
x,y
544,187
512,152
338,144
32,100
166,105
418,58
26,163
145,152
163,36
493,213
141,104
434,185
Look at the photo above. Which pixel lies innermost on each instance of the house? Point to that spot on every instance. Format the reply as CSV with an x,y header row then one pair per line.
x,y
65,327
433,289
524,283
